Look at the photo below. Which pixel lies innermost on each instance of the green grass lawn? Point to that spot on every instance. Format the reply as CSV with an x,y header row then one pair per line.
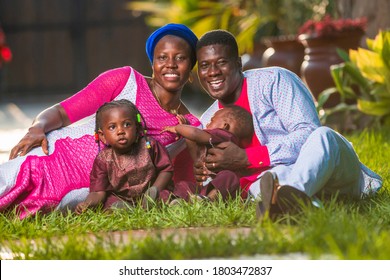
x,y
339,230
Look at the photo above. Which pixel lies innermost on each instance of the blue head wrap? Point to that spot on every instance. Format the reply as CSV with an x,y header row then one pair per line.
x,y
175,29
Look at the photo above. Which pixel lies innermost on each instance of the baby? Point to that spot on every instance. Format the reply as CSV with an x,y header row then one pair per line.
x,y
230,123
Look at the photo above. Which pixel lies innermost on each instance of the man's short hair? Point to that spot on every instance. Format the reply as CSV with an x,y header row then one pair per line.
x,y
218,37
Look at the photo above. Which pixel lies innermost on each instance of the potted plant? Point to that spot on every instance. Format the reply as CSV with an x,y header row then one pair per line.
x,y
328,27
321,40
364,76
249,21
285,51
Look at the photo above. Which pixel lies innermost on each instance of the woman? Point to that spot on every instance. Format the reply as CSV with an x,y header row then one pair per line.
x,y
38,182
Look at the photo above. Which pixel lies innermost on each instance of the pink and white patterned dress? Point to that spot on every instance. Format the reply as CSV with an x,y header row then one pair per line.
x,y
37,182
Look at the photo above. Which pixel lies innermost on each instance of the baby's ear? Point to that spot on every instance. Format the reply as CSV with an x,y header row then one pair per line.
x,y
226,126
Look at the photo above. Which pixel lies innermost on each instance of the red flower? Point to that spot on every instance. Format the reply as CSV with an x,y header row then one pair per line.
x,y
332,27
5,51
5,54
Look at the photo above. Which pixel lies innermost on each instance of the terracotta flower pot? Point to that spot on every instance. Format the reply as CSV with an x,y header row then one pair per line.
x,y
284,51
320,54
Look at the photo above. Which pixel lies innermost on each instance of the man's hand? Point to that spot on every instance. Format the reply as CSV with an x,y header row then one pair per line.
x,y
200,172
226,156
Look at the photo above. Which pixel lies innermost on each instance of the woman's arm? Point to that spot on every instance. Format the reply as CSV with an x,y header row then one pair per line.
x,y
46,121
102,89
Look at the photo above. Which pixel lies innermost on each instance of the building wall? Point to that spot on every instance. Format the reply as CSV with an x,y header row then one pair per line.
x,y
59,46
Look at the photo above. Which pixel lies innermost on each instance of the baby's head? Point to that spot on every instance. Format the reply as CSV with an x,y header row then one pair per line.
x,y
116,121
235,119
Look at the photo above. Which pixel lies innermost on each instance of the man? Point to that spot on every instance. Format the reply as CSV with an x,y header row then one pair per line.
x,y
296,157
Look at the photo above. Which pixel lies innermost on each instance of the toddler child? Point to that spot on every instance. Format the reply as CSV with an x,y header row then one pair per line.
x,y
130,165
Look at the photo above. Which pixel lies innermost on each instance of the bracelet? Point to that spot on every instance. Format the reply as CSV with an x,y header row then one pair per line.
x,y
211,143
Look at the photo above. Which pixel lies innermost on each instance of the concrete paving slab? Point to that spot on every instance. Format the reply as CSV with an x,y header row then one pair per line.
x,y
15,118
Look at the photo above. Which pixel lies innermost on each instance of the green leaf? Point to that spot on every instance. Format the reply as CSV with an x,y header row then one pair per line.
x,y
225,18
336,71
376,108
380,92
371,65
386,49
343,54
203,25
357,78
341,107
324,96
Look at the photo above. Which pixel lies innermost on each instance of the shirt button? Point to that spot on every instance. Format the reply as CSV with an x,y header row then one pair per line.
x,y
260,163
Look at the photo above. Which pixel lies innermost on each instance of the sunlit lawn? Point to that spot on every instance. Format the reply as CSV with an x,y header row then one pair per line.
x,y
339,230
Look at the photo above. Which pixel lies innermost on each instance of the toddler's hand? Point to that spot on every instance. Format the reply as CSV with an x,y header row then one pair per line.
x,y
169,129
81,207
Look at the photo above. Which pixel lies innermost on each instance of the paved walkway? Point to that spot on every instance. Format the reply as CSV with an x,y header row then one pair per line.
x,y
176,235
15,118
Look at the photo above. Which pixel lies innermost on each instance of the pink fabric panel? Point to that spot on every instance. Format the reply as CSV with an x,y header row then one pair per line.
x,y
44,180
155,116
158,118
104,88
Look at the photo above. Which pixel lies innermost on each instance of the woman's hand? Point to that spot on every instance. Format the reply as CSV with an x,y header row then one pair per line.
x,y
171,129
34,137
226,156
48,120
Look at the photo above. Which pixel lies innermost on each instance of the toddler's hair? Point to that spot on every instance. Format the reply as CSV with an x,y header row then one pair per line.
x,y
135,114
